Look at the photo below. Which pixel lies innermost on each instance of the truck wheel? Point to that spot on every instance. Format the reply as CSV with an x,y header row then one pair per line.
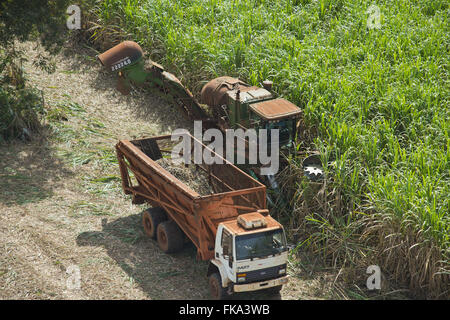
x,y
169,237
215,287
151,218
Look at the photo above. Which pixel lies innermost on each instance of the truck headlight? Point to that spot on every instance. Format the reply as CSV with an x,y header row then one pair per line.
x,y
241,277
282,271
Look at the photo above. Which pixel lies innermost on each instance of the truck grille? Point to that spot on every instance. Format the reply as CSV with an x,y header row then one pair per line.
x,y
263,274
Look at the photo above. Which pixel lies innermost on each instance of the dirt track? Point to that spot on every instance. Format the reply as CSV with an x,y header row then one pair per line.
x,y
62,206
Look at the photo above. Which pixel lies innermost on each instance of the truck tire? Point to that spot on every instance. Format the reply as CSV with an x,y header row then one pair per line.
x,y
151,218
169,237
215,287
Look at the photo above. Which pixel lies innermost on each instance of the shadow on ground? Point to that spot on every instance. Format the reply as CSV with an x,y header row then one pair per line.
x,y
29,172
160,275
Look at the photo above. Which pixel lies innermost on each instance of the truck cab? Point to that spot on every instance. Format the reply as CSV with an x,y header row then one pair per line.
x,y
239,105
250,254
276,114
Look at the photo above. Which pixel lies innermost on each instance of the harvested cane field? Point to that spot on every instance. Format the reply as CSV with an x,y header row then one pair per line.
x,y
372,80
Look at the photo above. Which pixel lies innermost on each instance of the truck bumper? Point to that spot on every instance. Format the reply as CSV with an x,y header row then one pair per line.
x,y
260,285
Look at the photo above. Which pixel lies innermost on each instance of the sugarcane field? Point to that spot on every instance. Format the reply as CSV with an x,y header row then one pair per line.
x,y
235,150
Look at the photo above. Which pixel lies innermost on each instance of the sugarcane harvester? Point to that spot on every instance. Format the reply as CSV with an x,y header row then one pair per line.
x,y
232,103
227,102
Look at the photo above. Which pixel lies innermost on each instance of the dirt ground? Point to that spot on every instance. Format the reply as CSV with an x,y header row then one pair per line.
x,y
64,217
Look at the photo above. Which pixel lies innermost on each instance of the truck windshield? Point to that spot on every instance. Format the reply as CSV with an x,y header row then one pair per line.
x,y
261,244
285,127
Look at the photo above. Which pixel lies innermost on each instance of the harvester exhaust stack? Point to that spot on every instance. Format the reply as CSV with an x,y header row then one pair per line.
x,y
267,84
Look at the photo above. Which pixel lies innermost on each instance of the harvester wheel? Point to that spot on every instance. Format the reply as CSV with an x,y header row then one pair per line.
x,y
169,236
151,218
215,287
